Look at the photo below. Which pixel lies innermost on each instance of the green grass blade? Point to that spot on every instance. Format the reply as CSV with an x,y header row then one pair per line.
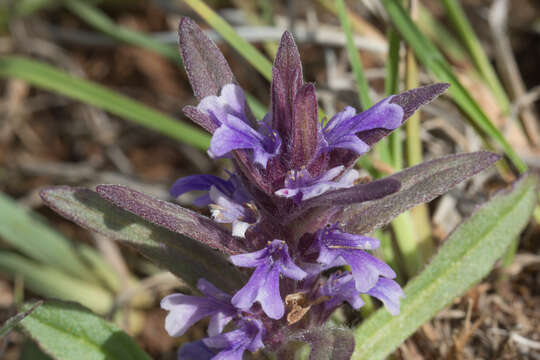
x,y
25,232
438,33
391,86
354,58
466,257
99,20
49,281
428,54
481,60
50,78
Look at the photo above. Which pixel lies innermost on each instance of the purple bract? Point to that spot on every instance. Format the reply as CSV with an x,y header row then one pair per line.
x,y
292,173
292,210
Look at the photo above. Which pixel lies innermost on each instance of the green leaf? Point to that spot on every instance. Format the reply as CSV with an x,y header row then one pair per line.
x,y
48,281
181,255
50,78
428,54
69,331
27,233
467,255
15,320
479,56
356,64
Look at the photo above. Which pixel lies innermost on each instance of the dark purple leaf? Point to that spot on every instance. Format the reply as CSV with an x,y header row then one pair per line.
x,y
185,257
413,99
419,184
304,129
286,80
327,343
410,101
205,65
173,217
357,194
200,118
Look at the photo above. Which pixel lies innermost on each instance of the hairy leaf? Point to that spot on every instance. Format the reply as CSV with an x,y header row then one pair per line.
x,y
68,331
419,184
286,81
304,127
467,255
327,343
172,217
179,254
15,320
205,65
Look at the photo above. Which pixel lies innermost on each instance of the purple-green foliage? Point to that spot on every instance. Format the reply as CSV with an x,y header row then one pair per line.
x,y
296,205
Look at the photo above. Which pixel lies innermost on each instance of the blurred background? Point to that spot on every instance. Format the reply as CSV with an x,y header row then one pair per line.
x,y
92,92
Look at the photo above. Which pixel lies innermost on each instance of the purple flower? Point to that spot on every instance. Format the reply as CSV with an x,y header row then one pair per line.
x,y
263,286
389,292
340,287
343,128
196,350
233,344
203,183
301,185
186,310
231,101
234,131
337,248
227,199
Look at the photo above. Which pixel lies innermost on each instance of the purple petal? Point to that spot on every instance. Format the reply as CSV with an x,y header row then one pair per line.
x,y
231,101
184,311
196,350
345,129
341,287
307,187
286,81
218,322
200,183
389,292
253,259
289,269
246,296
248,336
366,269
269,296
206,67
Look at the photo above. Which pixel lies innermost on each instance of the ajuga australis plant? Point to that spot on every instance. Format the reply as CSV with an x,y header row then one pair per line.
x,y
298,211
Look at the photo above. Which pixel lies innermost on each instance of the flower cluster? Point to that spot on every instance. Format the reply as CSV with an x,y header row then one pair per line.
x,y
293,175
